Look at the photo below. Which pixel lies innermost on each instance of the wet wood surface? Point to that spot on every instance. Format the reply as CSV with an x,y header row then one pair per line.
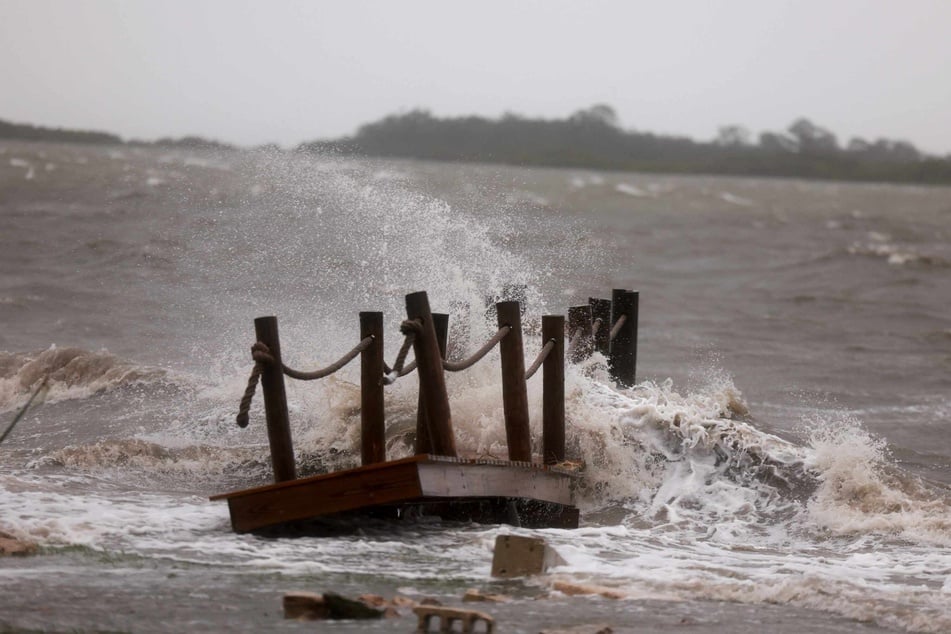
x,y
410,481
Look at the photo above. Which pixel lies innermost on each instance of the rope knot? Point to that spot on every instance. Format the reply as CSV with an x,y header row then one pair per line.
x,y
261,353
411,326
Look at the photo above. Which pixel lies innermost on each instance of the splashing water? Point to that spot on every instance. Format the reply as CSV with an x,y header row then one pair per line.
x,y
685,496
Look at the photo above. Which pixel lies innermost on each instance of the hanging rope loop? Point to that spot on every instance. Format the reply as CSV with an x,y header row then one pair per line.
x,y
456,366
333,367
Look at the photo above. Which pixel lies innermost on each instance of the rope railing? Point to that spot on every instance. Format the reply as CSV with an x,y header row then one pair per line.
x,y
330,369
456,366
595,327
590,328
540,359
262,356
575,339
618,325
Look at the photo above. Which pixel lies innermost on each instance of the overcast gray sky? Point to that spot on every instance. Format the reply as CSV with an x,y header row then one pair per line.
x,y
288,71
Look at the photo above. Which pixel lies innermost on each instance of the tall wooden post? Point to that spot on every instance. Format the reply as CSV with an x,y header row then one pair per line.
x,y
623,359
372,424
275,403
553,385
579,319
601,309
514,391
432,382
423,442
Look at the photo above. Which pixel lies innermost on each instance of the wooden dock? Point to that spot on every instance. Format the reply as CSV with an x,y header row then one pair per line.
x,y
486,491
436,481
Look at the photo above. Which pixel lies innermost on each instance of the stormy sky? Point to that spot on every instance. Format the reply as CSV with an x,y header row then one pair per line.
x,y
286,71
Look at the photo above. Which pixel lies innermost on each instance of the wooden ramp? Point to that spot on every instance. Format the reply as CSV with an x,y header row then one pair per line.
x,y
486,491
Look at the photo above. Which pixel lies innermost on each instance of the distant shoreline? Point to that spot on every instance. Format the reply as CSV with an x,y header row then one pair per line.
x,y
28,132
592,139
588,139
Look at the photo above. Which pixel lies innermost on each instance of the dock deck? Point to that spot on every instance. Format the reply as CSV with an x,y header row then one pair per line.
x,y
487,491
435,481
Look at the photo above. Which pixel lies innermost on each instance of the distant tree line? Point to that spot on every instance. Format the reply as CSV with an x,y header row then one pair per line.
x,y
27,132
186,142
593,138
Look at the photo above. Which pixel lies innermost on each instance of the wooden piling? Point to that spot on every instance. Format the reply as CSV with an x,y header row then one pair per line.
x,y
623,357
514,391
553,385
432,382
579,319
601,309
423,442
372,425
275,402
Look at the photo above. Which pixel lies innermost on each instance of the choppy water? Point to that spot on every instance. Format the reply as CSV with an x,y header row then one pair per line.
x,y
784,458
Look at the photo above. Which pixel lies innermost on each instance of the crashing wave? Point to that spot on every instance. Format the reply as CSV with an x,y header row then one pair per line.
x,y
72,373
896,255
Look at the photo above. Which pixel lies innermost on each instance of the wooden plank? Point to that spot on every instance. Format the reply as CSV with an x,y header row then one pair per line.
x,y
439,479
414,480
303,482
344,491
